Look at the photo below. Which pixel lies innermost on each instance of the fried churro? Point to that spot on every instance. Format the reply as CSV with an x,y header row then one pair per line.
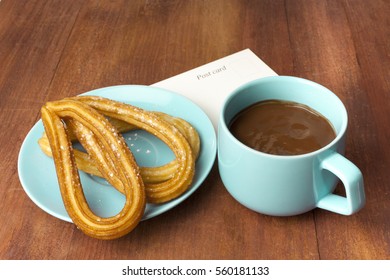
x,y
112,150
97,124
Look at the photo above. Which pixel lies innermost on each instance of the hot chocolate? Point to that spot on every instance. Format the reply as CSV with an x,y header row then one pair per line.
x,y
282,128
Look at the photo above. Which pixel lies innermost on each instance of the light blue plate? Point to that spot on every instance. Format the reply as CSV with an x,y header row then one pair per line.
x,y
38,177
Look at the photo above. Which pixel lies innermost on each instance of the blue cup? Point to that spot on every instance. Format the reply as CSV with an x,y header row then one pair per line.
x,y
288,185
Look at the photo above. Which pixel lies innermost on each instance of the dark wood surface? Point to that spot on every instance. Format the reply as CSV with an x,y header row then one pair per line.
x,y
54,49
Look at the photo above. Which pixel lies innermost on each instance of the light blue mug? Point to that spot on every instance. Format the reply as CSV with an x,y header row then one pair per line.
x,y
288,185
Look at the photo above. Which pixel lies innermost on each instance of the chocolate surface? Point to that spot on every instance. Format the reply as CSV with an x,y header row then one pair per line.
x,y
282,128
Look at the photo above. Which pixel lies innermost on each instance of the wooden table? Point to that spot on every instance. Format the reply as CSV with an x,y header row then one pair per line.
x,y
54,49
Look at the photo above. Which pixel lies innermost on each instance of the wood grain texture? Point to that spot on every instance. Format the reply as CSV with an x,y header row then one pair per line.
x,y
53,49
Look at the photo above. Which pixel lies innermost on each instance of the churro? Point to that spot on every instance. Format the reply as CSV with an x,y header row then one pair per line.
x,y
111,149
96,123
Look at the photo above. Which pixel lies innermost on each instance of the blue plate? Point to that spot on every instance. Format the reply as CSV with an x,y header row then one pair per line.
x,y
38,177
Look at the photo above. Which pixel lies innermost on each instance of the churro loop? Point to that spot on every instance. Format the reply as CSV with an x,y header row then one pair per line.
x,y
152,123
109,151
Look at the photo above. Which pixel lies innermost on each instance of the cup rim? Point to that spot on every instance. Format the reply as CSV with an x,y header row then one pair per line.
x,y
222,123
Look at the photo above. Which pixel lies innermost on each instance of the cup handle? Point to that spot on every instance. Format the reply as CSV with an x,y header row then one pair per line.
x,y
352,179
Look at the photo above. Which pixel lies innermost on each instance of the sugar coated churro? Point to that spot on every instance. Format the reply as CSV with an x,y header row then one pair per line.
x,y
96,123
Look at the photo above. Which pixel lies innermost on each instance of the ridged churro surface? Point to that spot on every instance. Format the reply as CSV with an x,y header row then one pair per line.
x,y
96,123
